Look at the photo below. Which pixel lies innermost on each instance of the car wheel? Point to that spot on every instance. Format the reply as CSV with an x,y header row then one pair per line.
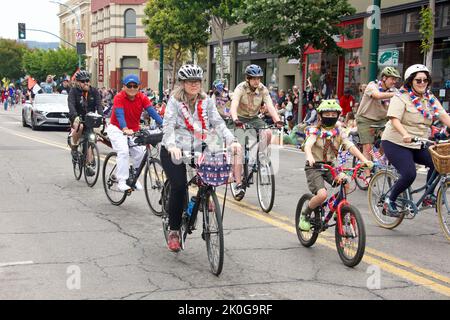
x,y
24,122
34,127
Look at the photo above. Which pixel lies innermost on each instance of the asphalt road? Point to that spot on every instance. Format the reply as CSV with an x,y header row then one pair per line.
x,y
60,239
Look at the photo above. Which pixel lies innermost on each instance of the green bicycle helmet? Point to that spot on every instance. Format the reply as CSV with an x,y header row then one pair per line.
x,y
390,72
329,105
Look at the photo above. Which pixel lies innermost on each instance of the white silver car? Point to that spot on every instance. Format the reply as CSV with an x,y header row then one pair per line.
x,y
47,110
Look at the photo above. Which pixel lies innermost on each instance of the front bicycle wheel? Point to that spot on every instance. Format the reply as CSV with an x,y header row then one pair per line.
x,y
379,187
307,238
77,163
110,182
443,208
233,185
153,185
265,184
213,233
92,169
351,243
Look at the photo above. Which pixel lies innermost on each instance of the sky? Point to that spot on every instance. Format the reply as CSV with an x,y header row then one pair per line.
x,y
36,14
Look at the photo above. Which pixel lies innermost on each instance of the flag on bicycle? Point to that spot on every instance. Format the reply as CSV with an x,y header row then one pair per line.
x,y
213,168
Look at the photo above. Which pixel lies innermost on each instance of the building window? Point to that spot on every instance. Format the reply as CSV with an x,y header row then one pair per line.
x,y
130,65
446,16
413,22
243,48
130,23
353,65
355,31
392,24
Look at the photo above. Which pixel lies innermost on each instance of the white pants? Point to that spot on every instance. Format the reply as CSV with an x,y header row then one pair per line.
x,y
120,144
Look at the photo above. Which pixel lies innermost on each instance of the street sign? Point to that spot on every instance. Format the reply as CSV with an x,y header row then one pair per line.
x,y
81,48
79,35
388,57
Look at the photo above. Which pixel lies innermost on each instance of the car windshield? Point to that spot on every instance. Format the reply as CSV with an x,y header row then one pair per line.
x,y
50,99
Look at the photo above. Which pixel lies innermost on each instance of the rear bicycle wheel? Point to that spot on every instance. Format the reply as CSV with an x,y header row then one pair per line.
x,y
153,185
213,233
443,208
110,181
265,184
77,163
307,238
378,191
94,165
351,244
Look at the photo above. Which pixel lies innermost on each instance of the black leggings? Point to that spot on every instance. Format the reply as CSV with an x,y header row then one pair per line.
x,y
178,181
404,160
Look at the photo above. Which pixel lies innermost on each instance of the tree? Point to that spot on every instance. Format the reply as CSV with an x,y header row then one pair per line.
x,y
176,25
427,20
11,53
40,63
290,27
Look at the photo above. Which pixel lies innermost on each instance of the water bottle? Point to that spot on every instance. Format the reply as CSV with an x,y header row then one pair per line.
x,y
191,205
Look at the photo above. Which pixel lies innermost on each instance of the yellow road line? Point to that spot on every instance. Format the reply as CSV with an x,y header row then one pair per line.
x,y
371,257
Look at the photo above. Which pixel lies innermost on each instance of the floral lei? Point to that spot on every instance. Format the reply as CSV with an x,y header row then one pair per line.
x,y
193,126
380,88
431,99
323,134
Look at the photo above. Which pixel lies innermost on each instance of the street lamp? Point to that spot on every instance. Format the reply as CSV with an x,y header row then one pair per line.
x,y
78,22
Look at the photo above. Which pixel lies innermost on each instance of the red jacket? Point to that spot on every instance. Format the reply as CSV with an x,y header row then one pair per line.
x,y
346,104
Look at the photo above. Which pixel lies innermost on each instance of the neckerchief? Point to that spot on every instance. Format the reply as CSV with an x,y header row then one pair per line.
x,y
191,125
328,138
380,88
433,112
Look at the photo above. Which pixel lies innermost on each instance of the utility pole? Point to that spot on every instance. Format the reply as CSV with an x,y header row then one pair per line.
x,y
161,72
374,41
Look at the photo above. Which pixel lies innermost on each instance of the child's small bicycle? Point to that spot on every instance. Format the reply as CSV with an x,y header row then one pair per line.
x,y
350,234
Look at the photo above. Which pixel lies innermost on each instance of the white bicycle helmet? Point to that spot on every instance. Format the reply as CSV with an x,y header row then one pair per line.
x,y
415,68
190,72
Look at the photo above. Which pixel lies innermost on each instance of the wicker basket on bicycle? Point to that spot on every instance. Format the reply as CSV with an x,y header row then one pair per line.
x,y
440,154
93,120
148,137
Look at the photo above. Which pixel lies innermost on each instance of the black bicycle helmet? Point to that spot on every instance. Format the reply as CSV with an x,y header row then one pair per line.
x,y
82,75
254,70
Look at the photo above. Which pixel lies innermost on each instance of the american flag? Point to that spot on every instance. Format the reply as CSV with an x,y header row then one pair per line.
x,y
375,153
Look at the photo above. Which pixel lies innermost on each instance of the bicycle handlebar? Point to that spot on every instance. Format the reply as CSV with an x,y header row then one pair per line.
x,y
336,170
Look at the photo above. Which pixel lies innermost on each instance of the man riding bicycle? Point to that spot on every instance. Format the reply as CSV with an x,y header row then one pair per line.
x,y
125,120
82,99
248,97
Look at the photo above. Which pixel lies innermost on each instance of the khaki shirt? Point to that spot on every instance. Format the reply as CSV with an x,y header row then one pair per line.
x,y
371,108
317,146
249,102
402,108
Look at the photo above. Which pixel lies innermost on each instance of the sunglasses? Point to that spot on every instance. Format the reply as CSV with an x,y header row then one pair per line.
x,y
84,81
132,86
419,81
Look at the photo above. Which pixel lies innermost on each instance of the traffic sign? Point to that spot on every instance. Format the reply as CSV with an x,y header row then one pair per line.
x,y
79,35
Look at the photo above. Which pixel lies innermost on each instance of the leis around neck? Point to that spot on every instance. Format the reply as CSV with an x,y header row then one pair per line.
x,y
433,112
322,133
193,126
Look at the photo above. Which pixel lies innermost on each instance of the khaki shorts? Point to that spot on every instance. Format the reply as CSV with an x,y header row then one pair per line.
x,y
316,179
366,133
241,134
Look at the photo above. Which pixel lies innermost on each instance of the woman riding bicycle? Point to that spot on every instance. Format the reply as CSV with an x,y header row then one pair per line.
x,y
411,113
322,144
189,121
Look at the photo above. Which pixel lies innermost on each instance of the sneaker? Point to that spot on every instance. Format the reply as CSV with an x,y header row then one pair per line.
x,y
174,241
122,185
391,209
304,225
90,172
240,192
429,201
138,186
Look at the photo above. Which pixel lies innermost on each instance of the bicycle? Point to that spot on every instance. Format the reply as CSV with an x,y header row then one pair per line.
x,y
362,180
87,148
265,178
382,182
154,173
350,234
208,204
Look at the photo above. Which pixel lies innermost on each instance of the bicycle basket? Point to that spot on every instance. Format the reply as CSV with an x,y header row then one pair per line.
x,y
440,154
146,137
213,168
93,120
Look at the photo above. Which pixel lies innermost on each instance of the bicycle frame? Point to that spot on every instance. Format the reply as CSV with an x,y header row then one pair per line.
x,y
134,176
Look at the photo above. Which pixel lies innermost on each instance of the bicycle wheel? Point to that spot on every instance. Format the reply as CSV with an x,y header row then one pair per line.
x,y
379,186
110,182
77,163
265,184
362,179
351,244
307,238
213,233
443,208
165,209
91,180
153,185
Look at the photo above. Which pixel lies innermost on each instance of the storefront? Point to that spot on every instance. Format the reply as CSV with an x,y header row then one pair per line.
x,y
330,74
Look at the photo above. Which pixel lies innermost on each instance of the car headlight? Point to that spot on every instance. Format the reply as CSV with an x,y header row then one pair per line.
x,y
40,112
